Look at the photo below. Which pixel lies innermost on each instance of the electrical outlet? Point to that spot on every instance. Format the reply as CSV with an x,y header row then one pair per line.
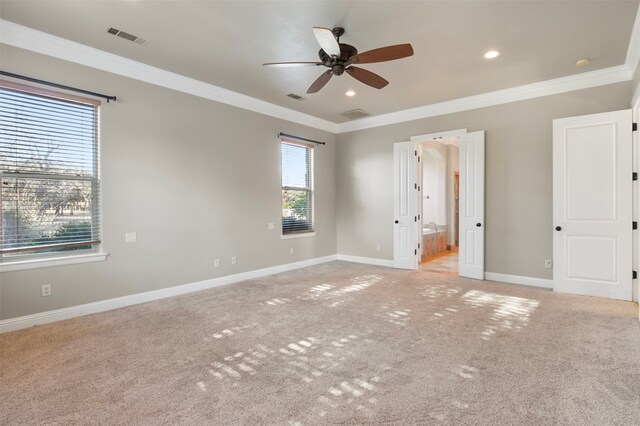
x,y
291,250
130,237
548,264
271,226
46,290
233,260
377,247
216,263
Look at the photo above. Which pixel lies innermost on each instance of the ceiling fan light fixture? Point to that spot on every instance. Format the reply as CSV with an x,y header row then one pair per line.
x,y
340,58
350,93
492,54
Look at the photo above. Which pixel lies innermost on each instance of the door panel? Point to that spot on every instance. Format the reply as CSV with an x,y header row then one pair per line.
x,y
405,175
592,205
471,210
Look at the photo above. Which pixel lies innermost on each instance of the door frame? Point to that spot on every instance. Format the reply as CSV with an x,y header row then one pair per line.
x,y
438,136
635,202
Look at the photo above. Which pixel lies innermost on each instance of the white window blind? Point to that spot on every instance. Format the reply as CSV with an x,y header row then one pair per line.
x,y
297,187
49,168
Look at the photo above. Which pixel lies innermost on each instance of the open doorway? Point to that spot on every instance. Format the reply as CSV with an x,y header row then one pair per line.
x,y
439,171
411,224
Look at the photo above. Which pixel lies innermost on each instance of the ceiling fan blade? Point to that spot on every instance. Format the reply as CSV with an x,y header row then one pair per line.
x,y
320,82
383,54
327,40
367,77
291,64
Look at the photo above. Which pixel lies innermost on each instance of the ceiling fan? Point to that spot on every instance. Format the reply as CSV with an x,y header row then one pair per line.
x,y
341,57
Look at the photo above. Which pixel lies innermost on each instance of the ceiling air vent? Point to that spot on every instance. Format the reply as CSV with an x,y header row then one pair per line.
x,y
127,36
355,113
296,97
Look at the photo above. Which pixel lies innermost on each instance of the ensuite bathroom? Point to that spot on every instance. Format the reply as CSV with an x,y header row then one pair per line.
x,y
440,198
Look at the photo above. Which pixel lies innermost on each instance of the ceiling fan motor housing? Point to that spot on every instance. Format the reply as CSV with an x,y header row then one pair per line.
x,y
338,64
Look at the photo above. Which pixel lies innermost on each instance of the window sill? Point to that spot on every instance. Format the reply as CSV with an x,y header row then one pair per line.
x,y
19,265
300,235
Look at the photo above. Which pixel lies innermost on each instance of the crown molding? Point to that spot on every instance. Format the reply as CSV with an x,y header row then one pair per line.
x,y
633,51
37,41
40,42
633,57
529,91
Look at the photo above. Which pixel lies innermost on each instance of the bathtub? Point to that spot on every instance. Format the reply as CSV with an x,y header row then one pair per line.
x,y
433,241
427,231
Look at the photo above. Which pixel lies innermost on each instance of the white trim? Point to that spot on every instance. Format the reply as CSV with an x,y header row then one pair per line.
x,y
18,323
517,279
37,41
366,260
633,51
555,86
299,235
48,262
444,137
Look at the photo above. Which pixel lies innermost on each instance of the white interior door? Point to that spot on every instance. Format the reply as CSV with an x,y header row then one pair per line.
x,y
471,206
405,181
592,205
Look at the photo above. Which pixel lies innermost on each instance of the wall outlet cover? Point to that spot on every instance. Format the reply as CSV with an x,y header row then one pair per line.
x,y
46,290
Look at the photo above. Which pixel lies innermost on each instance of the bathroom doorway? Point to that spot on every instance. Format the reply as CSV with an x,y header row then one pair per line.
x,y
410,222
439,178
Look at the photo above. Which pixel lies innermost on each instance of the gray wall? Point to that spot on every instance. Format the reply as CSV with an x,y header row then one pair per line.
x,y
197,180
518,203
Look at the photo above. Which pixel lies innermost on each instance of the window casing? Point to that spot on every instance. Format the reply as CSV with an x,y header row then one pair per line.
x,y
297,188
49,172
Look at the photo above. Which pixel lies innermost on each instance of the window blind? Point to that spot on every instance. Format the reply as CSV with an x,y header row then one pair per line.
x,y
297,187
49,168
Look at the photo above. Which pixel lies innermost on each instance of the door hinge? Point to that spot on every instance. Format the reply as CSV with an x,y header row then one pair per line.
x,y
635,275
415,152
634,127
418,216
415,186
418,158
418,245
635,176
415,252
415,218
635,225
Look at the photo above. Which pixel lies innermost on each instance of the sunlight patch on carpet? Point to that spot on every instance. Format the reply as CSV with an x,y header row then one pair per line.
x,y
509,312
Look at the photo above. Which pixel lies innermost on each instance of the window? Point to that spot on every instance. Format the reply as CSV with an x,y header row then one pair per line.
x,y
297,188
49,172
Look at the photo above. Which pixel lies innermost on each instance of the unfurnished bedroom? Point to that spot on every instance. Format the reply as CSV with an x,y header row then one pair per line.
x,y
319,212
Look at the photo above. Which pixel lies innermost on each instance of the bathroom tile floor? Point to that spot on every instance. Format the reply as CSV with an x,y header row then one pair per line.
x,y
446,263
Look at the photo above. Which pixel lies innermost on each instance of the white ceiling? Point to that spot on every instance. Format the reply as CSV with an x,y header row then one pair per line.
x,y
225,43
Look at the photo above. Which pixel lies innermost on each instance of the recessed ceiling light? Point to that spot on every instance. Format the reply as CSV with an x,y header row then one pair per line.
x,y
350,93
583,62
492,54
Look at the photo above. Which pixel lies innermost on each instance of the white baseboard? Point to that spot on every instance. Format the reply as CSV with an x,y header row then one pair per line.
x,y
366,260
26,321
517,279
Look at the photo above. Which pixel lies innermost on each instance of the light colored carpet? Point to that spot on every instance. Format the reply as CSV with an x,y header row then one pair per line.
x,y
338,343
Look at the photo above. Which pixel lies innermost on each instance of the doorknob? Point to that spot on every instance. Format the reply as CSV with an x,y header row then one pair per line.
x,y
558,228
397,221
478,224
